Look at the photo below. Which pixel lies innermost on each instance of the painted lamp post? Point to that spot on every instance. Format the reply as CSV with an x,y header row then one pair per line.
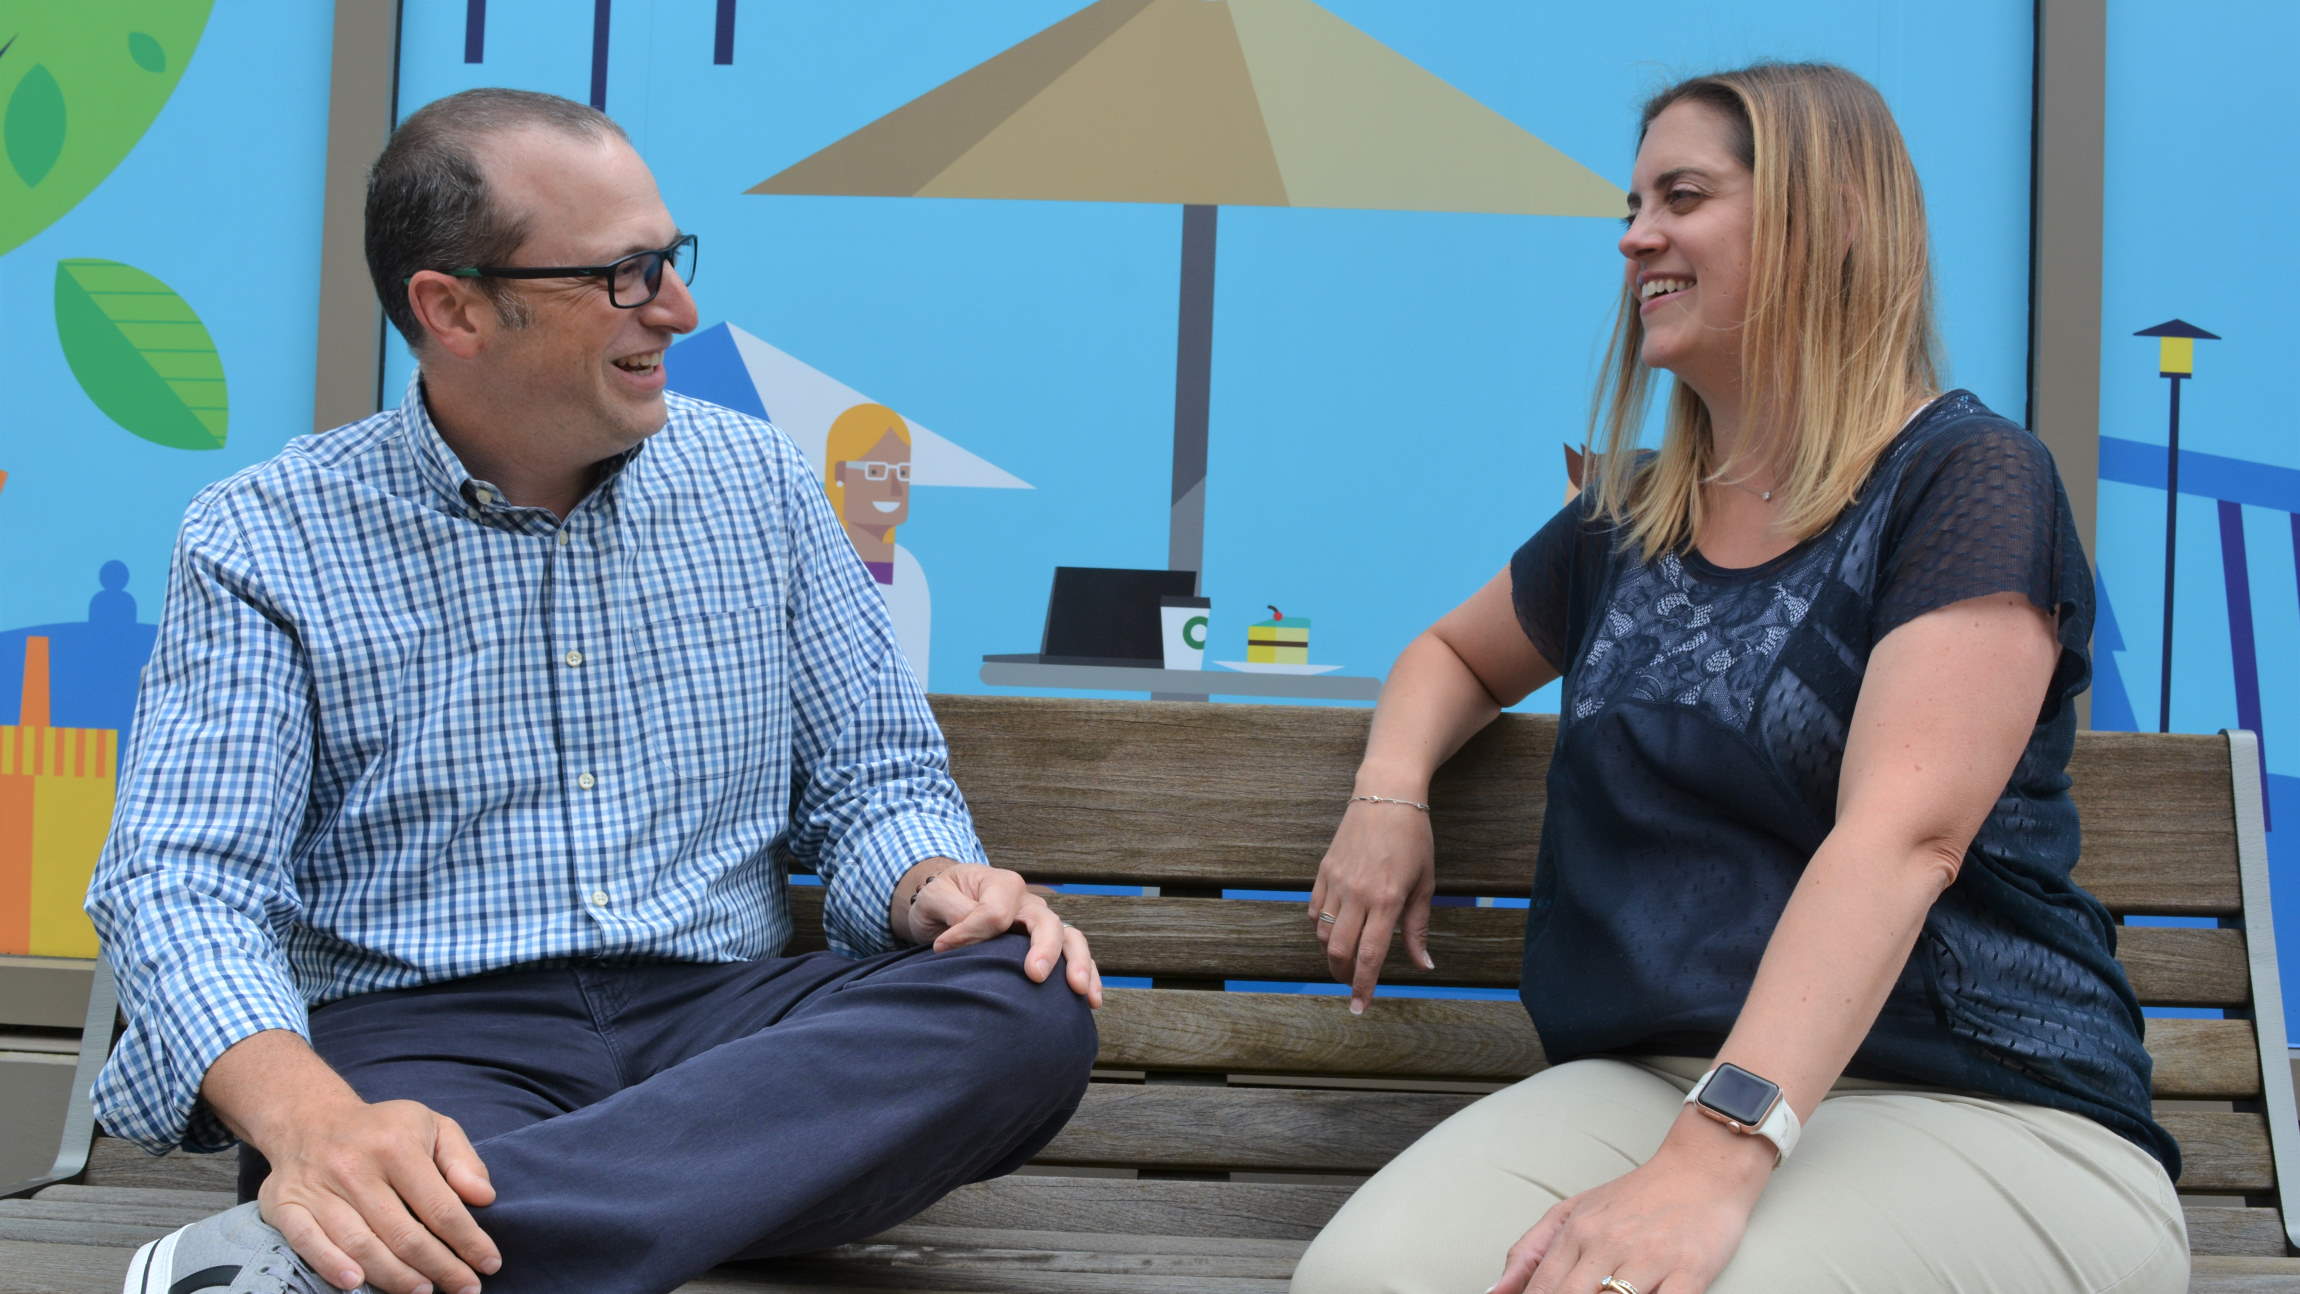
x,y
2175,360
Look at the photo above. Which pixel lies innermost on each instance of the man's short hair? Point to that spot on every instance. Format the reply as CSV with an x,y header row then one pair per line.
x,y
428,205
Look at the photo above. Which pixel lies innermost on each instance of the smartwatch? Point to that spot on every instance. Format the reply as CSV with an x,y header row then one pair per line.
x,y
1747,1104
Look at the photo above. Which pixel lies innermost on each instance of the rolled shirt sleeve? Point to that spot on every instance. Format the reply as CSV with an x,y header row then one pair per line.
x,y
192,885
873,794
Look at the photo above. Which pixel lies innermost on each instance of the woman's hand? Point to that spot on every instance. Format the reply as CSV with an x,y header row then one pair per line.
x,y
1666,1227
1377,876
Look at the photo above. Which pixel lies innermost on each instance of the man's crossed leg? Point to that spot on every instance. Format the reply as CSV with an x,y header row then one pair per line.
x,y
642,1123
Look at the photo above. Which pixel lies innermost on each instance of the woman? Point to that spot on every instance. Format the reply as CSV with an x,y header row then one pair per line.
x,y
1807,820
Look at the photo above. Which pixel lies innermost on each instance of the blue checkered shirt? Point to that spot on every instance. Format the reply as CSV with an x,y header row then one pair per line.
x,y
396,731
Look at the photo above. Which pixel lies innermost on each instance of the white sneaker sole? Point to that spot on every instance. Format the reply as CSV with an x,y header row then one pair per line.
x,y
148,1271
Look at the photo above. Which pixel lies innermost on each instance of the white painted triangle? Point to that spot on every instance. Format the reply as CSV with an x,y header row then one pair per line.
x,y
803,401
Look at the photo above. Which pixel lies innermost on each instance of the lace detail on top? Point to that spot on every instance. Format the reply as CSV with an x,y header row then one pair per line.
x,y
1665,637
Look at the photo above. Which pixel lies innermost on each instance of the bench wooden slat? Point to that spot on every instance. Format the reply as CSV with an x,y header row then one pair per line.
x,y
37,1268
2173,966
1230,1128
1483,947
1287,1033
2248,1232
1246,796
1308,1130
2210,1060
2221,1152
33,1267
1000,1253
113,1162
1244,1210
2159,827
133,1213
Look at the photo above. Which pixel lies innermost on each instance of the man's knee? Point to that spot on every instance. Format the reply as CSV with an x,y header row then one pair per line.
x,y
1044,1027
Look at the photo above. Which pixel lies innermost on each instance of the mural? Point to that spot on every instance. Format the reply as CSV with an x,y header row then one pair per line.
x,y
81,85
140,353
1276,103
1210,274
108,115
58,761
2199,507
1203,287
867,455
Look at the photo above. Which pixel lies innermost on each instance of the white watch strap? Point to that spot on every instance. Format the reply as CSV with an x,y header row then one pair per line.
x,y
1780,1125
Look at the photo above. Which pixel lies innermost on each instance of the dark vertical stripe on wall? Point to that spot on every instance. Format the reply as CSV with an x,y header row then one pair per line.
x,y
2242,650
475,31
723,40
599,16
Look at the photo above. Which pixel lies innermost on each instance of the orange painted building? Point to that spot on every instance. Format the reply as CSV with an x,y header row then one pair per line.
x,y
56,788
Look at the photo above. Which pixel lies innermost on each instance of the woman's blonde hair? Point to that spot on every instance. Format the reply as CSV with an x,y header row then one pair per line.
x,y
1838,346
851,435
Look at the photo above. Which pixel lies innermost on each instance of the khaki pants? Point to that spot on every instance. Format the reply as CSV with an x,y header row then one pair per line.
x,y
1891,1189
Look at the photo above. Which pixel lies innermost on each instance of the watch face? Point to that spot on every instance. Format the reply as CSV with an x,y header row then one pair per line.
x,y
1739,1095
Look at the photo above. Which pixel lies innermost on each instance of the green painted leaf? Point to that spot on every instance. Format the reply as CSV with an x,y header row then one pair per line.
x,y
34,130
147,52
141,354
79,86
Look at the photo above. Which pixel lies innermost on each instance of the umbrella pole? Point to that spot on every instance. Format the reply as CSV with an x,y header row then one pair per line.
x,y
1193,385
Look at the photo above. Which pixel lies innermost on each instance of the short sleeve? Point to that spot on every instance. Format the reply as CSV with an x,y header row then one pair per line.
x,y
1980,510
1545,577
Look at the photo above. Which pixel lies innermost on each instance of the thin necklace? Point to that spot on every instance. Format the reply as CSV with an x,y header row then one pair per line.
x,y
1767,495
1719,479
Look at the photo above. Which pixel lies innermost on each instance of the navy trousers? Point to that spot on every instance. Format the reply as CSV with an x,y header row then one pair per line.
x,y
644,1122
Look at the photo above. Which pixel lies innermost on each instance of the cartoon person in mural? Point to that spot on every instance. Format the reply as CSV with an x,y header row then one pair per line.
x,y
867,473
448,874
1824,1007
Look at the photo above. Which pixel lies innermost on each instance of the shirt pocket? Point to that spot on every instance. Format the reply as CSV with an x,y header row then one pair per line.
x,y
708,694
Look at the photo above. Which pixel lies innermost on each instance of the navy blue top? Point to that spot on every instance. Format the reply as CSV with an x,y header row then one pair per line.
x,y
1702,726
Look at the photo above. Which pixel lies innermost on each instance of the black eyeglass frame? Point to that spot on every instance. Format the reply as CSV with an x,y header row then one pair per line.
x,y
664,256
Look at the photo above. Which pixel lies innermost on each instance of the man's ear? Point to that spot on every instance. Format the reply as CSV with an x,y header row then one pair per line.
x,y
452,312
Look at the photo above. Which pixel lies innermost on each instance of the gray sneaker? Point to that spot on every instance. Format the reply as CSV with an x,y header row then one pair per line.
x,y
232,1252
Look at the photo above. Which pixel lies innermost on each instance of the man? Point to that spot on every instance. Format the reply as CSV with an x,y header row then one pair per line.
x,y
448,868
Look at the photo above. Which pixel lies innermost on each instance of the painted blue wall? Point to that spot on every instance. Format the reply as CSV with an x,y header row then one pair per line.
x,y
221,201
1391,390
2198,194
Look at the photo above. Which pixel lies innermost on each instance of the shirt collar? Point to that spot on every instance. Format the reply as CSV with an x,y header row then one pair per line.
x,y
437,463
434,461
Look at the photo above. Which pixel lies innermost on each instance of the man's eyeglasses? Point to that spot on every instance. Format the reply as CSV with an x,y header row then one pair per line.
x,y
873,470
631,282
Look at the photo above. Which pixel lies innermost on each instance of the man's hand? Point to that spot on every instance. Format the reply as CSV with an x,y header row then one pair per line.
x,y
952,905
378,1193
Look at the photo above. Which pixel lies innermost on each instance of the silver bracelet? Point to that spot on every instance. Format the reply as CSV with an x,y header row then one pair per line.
x,y
1384,799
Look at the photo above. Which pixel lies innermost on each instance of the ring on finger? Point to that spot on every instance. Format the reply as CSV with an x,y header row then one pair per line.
x,y
1327,918
1615,1285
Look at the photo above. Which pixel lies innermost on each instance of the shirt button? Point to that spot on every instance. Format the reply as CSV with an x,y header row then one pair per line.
x,y
472,513
598,898
586,781
566,537
573,659
485,497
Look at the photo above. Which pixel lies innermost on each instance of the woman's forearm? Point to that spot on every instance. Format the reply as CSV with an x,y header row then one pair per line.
x,y
1841,944
1431,704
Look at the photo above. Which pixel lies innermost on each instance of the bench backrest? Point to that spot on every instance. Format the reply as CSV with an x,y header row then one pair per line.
x,y
1194,799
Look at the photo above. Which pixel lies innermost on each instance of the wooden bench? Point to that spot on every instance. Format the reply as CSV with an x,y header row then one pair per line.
x,y
1224,1128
